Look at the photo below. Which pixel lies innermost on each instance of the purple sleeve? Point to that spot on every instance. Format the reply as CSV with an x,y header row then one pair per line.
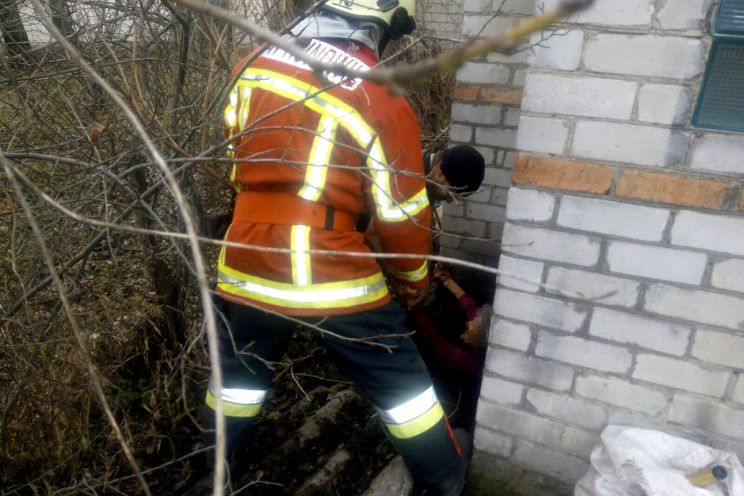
x,y
469,306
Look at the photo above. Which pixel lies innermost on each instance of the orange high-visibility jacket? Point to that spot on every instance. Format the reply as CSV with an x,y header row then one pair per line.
x,y
307,162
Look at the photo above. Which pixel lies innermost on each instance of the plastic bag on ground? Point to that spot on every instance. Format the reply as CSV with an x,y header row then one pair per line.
x,y
642,462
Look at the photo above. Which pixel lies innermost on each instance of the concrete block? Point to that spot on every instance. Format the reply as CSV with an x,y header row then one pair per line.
x,y
481,73
529,205
484,25
488,154
497,137
718,153
613,218
547,312
476,114
597,288
484,211
476,5
529,369
613,12
630,143
519,77
697,306
681,375
511,117
719,348
538,134
523,425
510,335
461,133
656,262
559,50
517,57
554,463
683,15
567,408
549,245
728,274
739,390
645,55
583,96
501,391
709,232
658,335
584,353
499,196
493,442
485,247
525,7
523,275
712,416
621,393
497,176
458,225
664,104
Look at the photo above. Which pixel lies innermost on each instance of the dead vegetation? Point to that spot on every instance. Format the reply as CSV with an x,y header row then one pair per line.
x,y
89,180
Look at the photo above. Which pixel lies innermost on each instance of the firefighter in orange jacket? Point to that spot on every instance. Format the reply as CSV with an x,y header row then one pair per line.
x,y
311,153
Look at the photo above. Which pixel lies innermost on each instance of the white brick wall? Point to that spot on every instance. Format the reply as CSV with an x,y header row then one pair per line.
x,y
547,312
597,288
707,415
501,391
530,205
613,218
614,13
523,275
567,408
536,429
694,305
681,375
683,15
510,335
646,55
642,145
718,153
709,232
664,104
480,73
561,51
726,274
739,390
590,97
549,245
719,348
657,335
493,442
662,349
621,393
655,262
584,353
542,135
529,369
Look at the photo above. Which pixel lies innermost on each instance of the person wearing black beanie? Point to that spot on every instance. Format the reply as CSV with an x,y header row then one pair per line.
x,y
456,171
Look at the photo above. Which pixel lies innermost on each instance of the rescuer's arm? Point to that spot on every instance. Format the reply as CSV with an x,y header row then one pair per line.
x,y
402,217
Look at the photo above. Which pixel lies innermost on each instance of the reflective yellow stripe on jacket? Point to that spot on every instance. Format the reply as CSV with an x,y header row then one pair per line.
x,y
315,296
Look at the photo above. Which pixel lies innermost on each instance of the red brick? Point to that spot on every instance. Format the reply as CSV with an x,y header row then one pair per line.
x,y
665,188
467,93
499,95
562,174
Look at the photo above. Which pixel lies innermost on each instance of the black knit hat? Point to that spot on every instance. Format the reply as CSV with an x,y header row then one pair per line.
x,y
464,167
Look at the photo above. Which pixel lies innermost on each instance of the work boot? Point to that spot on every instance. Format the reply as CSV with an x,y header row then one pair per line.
x,y
455,483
